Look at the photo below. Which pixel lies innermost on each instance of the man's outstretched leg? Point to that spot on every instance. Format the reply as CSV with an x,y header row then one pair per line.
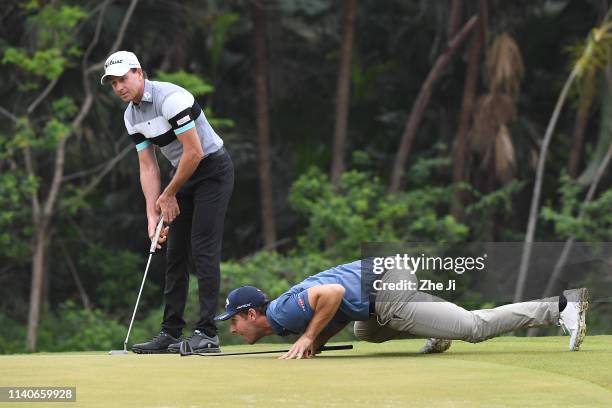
x,y
425,315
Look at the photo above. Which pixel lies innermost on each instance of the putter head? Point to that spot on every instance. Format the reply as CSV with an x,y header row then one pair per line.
x,y
185,349
117,352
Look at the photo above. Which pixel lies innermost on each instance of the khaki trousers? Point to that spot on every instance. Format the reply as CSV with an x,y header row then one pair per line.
x,y
413,314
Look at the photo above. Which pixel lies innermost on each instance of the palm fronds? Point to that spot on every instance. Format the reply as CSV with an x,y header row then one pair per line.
x,y
504,65
490,136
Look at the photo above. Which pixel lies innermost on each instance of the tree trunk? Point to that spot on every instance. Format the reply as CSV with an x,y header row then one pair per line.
x,y
537,190
467,108
454,19
421,102
36,286
279,86
263,132
343,91
582,119
45,297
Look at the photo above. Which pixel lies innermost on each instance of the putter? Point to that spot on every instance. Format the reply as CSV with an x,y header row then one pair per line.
x,y
152,250
186,350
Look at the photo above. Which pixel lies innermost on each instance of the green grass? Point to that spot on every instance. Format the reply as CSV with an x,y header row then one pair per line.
x,y
503,372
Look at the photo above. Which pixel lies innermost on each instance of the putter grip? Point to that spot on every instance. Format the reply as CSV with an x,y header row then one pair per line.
x,y
332,348
160,224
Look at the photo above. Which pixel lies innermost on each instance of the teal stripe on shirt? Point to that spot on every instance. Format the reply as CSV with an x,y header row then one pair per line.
x,y
184,128
143,145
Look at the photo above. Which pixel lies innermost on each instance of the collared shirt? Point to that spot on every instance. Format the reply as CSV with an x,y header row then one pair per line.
x,y
165,111
290,313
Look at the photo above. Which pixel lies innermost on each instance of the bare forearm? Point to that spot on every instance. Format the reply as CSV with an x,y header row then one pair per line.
x,y
327,334
151,187
189,162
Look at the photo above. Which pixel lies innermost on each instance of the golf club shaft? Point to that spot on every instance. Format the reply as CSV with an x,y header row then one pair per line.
x,y
144,278
152,249
324,348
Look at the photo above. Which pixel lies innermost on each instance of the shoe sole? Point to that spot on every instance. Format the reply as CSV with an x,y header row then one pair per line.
x,y
201,350
582,327
142,351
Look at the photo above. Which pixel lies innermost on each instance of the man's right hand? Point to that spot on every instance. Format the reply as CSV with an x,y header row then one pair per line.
x,y
163,236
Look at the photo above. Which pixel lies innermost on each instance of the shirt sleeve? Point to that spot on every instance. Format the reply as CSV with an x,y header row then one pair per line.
x,y
179,110
139,139
293,312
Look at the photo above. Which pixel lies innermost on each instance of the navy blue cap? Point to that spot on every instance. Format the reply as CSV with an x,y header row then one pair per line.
x,y
243,298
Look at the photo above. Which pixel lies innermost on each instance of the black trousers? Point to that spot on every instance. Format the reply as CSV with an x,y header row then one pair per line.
x,y
194,242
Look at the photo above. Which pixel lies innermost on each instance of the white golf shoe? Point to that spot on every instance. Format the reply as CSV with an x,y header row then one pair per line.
x,y
436,346
573,318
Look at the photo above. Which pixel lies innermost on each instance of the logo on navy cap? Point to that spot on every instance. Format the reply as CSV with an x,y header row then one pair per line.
x,y
242,299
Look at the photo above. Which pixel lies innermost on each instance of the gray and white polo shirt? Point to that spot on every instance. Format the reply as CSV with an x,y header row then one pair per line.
x,y
165,111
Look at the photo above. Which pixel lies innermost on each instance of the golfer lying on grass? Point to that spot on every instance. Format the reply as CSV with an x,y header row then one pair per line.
x,y
323,304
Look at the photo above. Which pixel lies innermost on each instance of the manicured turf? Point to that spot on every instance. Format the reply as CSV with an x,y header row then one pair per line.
x,y
504,372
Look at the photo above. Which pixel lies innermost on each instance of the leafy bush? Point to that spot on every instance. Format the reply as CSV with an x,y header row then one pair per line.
x,y
271,272
596,223
12,336
72,328
361,211
118,275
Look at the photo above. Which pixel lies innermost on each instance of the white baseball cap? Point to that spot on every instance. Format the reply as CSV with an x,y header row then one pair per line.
x,y
119,63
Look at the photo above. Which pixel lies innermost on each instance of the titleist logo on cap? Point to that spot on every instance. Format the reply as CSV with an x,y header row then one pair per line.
x,y
111,62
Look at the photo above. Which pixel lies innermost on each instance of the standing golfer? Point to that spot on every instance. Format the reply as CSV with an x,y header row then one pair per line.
x,y
193,204
323,304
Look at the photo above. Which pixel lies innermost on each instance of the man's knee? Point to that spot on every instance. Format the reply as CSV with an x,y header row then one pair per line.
x,y
360,331
372,332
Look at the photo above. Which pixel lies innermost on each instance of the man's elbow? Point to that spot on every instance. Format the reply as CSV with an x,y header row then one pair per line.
x,y
194,155
338,290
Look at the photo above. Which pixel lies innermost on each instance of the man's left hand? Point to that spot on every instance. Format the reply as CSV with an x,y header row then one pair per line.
x,y
168,206
163,237
302,348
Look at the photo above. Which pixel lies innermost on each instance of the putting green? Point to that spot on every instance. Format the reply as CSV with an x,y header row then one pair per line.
x,y
504,372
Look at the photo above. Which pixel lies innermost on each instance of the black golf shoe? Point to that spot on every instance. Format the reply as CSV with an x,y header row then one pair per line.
x,y
199,342
157,345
